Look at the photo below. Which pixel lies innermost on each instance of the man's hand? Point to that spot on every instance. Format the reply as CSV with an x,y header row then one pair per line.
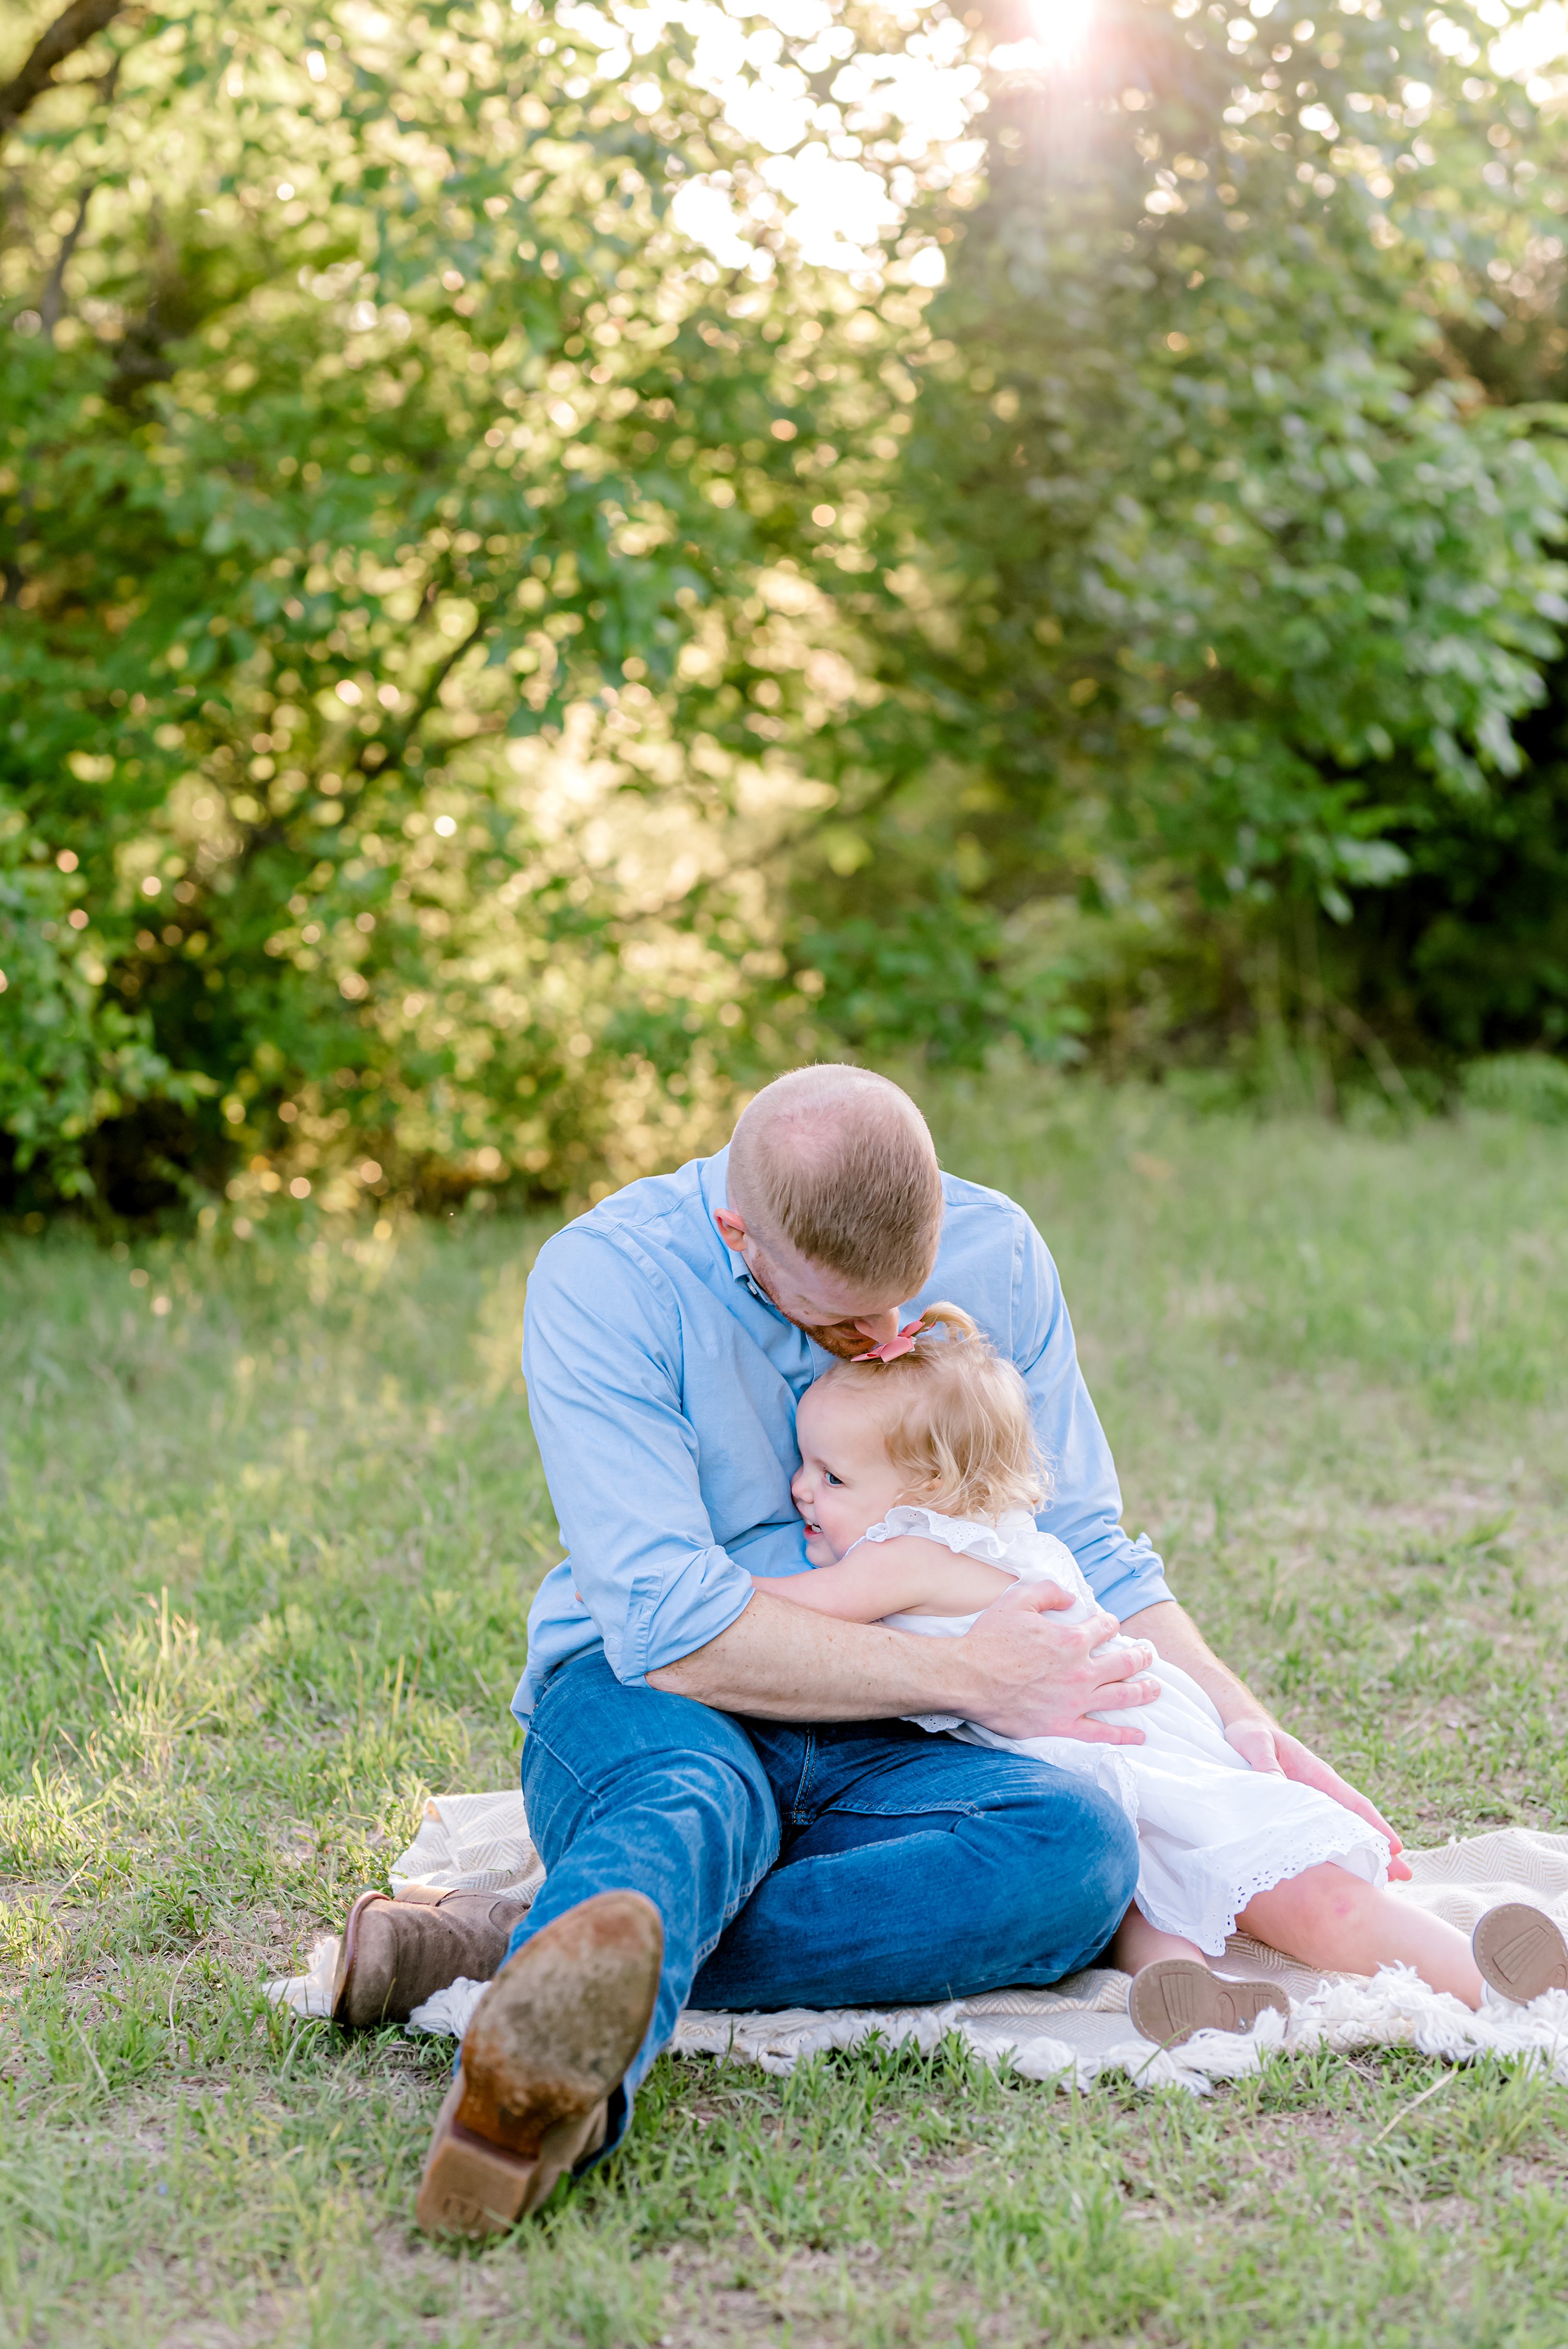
x,y
1017,1669
1266,1746
1036,1677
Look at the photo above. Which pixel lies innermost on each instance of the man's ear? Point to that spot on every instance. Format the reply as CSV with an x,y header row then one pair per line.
x,y
731,1227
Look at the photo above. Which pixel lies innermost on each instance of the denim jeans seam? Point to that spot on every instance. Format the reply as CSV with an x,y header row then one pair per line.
x,y
907,1810
731,1914
808,1772
560,1762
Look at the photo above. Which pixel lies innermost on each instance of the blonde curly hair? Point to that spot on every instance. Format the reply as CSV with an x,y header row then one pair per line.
x,y
955,1419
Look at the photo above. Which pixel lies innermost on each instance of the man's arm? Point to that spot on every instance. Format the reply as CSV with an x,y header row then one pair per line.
x,y
1016,1672
601,1351
1084,1509
1250,1726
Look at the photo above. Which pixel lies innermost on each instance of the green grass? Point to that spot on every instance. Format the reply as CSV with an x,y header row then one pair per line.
x,y
265,1559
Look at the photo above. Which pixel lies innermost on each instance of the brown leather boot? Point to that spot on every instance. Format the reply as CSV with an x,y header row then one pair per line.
x,y
548,2042
397,1953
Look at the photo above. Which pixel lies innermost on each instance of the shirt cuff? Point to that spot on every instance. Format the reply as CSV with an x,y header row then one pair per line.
x,y
1137,1579
670,1614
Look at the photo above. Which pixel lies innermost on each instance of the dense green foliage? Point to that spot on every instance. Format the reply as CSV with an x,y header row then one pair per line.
x,y
1247,539
478,676
361,518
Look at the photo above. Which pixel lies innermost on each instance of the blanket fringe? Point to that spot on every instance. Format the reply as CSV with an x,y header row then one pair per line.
x,y
1078,2032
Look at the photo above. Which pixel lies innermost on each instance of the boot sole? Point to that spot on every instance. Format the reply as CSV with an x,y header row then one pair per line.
x,y
1519,1951
1174,1998
474,2186
548,2042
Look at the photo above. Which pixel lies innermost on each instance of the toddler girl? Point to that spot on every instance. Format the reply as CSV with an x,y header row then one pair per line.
x,y
918,1478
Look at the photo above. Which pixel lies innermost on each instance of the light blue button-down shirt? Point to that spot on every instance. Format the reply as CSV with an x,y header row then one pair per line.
x,y
661,1385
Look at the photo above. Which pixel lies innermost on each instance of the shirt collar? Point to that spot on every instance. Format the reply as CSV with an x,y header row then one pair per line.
x,y
712,1181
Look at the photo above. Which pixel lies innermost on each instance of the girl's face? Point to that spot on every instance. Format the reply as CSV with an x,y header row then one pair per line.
x,y
845,1481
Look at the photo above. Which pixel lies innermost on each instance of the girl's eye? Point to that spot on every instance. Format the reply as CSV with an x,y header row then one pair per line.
x,y
828,1477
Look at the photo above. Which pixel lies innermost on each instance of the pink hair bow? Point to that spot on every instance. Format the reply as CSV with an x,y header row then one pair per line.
x,y
892,1348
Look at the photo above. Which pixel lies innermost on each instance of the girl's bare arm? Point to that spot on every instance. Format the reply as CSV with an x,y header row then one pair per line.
x,y
907,1575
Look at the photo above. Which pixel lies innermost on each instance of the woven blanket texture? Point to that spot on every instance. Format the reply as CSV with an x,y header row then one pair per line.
x,y
1078,2029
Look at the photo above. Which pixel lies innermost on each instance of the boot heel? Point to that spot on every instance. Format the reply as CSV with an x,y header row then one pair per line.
x,y
471,2187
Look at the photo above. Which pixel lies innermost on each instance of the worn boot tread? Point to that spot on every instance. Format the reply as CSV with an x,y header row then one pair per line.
x,y
550,2040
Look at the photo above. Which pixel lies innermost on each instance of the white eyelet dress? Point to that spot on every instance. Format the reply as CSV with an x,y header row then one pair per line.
x,y
1212,1831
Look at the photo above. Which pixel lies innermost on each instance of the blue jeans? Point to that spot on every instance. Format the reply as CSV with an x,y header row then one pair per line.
x,y
824,1864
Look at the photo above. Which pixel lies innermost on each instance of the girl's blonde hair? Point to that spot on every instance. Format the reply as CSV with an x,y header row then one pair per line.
x,y
957,1419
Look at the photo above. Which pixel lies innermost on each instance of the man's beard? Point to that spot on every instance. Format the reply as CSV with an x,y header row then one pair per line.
x,y
841,1339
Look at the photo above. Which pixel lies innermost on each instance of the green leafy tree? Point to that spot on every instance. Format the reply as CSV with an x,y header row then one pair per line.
x,y
1231,585
409,558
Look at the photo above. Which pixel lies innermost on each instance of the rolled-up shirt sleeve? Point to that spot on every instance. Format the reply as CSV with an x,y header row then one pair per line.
x,y
1085,1507
602,1356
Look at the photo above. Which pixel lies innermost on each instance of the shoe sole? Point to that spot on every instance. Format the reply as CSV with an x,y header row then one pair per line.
x,y
1174,1998
550,2040
1519,1951
474,2186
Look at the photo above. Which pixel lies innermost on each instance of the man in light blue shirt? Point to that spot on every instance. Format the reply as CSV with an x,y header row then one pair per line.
x,y
729,1802
649,1341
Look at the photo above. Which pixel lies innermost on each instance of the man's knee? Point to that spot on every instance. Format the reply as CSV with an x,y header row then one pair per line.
x,y
1109,1834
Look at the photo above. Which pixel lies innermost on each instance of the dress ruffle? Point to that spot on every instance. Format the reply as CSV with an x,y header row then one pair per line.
x,y
966,1536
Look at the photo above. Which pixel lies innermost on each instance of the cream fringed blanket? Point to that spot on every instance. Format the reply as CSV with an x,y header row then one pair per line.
x,y
480,1843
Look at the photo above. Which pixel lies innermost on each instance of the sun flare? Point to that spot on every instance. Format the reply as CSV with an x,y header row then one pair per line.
x,y
1061,28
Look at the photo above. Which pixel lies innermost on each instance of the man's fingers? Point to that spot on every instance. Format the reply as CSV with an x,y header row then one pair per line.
x,y
1300,1762
1354,1800
1313,1772
1254,1742
1089,1732
1137,1656
1118,1694
1035,1596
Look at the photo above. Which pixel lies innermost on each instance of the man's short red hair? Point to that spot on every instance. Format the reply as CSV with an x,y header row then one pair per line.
x,y
839,1163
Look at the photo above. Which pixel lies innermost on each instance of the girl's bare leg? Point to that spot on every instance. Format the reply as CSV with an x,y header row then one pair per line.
x,y
1328,1918
1138,1943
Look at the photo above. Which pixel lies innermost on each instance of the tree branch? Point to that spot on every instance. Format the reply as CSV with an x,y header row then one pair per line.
x,y
1382,1062
70,31
398,750
52,306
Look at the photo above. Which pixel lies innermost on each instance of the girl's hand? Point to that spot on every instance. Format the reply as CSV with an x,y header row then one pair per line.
x,y
1264,1745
